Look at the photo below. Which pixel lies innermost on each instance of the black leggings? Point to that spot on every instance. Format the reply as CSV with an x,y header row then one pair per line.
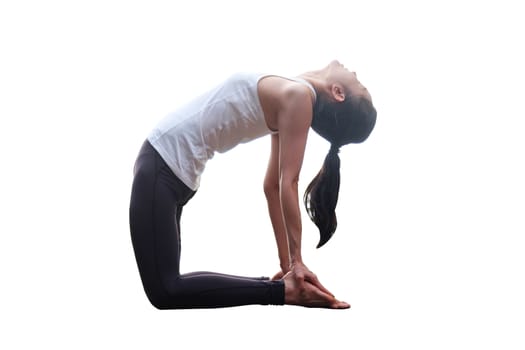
x,y
157,199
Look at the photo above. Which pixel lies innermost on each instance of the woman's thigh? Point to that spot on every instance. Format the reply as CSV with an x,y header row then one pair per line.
x,y
154,210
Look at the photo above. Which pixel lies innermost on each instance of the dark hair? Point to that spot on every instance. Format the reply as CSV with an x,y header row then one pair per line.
x,y
350,121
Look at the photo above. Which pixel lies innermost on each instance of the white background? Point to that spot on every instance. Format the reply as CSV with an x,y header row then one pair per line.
x,y
429,249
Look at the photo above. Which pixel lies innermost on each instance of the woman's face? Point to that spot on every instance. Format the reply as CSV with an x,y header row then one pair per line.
x,y
338,73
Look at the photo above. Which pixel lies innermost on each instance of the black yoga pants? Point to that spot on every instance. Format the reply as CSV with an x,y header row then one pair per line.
x,y
157,199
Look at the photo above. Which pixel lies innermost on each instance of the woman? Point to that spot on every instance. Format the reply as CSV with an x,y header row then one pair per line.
x,y
247,106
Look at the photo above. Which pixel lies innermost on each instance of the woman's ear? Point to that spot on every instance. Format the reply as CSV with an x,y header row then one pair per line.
x,y
338,93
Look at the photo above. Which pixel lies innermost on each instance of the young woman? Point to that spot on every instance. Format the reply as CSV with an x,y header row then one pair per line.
x,y
167,172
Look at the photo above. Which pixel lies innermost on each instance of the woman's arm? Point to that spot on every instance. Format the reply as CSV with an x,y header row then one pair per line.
x,y
294,120
293,117
271,190
288,109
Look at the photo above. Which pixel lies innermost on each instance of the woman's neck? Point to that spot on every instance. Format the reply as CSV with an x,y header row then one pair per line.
x,y
316,78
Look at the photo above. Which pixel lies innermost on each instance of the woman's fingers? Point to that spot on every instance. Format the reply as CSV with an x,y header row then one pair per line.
x,y
303,273
314,294
312,278
318,298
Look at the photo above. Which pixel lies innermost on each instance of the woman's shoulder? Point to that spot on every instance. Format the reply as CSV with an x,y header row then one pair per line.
x,y
286,89
281,96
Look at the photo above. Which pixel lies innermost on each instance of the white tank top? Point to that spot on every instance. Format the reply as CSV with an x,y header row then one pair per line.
x,y
216,121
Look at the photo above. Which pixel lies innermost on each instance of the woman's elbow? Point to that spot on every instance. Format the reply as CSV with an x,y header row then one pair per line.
x,y
271,188
289,181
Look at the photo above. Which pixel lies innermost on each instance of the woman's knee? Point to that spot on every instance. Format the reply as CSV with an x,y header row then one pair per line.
x,y
169,298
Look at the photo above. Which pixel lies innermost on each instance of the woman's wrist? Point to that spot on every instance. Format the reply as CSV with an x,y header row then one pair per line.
x,y
297,260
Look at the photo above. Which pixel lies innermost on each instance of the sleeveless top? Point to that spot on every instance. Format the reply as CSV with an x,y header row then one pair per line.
x,y
216,121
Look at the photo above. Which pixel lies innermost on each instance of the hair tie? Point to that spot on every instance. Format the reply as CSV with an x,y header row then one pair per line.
x,y
334,149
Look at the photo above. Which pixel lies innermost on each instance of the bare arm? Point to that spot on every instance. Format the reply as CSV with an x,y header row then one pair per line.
x,y
294,122
288,108
271,190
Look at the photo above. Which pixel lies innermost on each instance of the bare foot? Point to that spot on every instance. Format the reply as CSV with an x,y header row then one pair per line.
x,y
306,294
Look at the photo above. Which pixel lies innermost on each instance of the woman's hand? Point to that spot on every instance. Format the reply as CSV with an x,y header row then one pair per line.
x,y
303,274
300,290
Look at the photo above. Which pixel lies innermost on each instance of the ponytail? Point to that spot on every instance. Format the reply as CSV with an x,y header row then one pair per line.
x,y
320,197
341,123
